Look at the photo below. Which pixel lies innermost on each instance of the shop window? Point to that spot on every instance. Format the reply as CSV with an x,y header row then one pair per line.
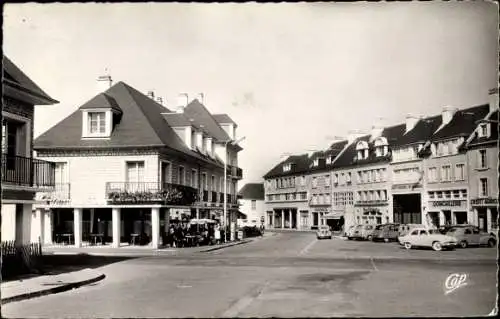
x,y
456,194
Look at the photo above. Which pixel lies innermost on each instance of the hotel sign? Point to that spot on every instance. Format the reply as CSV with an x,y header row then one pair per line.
x,y
484,201
447,203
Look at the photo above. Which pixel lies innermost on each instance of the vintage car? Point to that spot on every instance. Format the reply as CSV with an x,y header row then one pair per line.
x,y
363,232
386,232
348,233
406,228
421,237
466,236
323,232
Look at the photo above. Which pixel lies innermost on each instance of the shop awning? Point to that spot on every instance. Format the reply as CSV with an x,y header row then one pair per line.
x,y
241,215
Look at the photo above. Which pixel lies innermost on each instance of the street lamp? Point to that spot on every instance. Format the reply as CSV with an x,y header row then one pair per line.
x,y
225,181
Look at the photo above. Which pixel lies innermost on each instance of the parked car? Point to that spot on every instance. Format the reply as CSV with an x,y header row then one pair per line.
x,y
323,232
386,232
445,228
348,233
363,232
471,235
421,237
406,228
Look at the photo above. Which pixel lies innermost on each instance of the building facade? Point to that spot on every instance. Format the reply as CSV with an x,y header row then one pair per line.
x,y
22,175
127,167
251,198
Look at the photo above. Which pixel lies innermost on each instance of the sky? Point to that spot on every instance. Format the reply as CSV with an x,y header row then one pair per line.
x,y
294,76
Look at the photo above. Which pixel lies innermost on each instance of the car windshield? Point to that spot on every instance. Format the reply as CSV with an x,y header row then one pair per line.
x,y
323,228
434,231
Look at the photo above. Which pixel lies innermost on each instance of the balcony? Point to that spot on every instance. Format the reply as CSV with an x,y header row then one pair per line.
x,y
60,194
235,172
150,192
20,171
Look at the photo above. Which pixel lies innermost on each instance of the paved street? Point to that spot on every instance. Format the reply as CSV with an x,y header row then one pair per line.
x,y
287,275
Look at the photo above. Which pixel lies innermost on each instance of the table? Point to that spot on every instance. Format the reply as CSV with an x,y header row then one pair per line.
x,y
133,238
69,236
95,236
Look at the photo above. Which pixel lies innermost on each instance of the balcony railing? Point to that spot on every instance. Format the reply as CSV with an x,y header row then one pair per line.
x,y
27,171
235,172
150,192
61,192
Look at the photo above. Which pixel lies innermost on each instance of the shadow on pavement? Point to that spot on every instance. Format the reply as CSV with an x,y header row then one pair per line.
x,y
60,264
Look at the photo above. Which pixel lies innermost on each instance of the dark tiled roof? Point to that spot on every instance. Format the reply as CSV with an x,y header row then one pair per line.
x,y
347,158
202,118
300,164
176,119
14,77
223,118
141,125
493,138
102,101
462,123
422,131
252,191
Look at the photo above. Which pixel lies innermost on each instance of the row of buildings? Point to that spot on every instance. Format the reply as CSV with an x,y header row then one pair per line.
x,y
429,170
121,168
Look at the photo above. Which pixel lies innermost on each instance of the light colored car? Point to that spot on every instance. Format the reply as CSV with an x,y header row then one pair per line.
x,y
406,228
471,235
323,232
421,237
348,233
363,232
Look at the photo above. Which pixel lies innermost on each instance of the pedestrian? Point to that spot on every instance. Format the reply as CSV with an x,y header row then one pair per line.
x,y
261,229
217,234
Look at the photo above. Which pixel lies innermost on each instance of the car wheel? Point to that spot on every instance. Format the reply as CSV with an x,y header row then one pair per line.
x,y
437,246
330,237
491,243
386,240
463,244
370,238
407,245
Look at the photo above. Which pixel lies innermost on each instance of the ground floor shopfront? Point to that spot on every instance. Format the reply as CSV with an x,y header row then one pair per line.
x,y
447,207
485,213
283,216
118,225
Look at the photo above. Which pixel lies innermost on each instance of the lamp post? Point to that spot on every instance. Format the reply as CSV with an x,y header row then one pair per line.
x,y
225,182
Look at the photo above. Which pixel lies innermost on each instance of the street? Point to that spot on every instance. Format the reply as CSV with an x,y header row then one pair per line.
x,y
286,275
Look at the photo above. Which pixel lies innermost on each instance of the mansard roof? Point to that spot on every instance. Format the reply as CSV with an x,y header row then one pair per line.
x,y
300,166
493,138
463,123
421,133
223,119
252,191
203,119
141,125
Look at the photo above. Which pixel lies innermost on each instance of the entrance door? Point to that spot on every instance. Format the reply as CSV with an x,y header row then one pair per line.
x,y
447,217
483,221
461,217
315,219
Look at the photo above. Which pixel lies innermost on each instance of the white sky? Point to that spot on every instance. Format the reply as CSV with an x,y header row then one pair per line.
x,y
291,75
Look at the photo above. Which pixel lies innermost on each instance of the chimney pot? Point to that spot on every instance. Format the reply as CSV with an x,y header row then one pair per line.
x,y
151,95
447,114
159,99
182,101
104,82
201,98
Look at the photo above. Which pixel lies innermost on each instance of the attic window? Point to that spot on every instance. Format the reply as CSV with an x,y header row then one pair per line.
x,y
287,167
96,123
316,162
483,130
328,160
381,147
362,150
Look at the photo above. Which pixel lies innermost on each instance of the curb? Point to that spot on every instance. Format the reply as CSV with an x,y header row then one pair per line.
x,y
54,290
222,247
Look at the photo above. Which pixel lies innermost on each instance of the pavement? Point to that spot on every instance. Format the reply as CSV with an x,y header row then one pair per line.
x,y
36,286
285,275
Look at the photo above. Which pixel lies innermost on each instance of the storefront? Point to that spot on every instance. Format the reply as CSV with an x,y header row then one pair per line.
x,y
335,220
485,213
447,212
318,214
375,212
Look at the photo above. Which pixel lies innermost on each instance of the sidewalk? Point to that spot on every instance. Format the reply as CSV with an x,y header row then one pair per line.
x,y
18,290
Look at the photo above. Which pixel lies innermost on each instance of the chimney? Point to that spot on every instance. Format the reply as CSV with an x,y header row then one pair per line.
x,y
493,95
151,95
104,82
182,101
353,135
447,114
377,129
159,100
411,121
201,98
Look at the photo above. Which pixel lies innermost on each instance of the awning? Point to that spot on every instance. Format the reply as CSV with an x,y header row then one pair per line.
x,y
241,215
333,215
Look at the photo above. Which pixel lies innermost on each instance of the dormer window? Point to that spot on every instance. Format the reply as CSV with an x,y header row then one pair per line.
x,y
362,150
287,167
381,147
316,162
96,123
328,160
483,130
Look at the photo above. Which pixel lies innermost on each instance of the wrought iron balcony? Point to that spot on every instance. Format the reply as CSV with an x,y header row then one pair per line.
x,y
27,171
150,192
235,172
61,193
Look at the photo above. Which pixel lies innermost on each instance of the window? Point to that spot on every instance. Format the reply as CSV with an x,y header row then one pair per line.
x,y
303,181
135,175
415,232
327,180
97,122
315,162
483,130
314,182
482,159
204,181
287,167
447,194
432,174
194,179
439,195
483,186
359,178
431,195
60,173
446,173
213,185
328,160
460,172
182,176
348,178
254,204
